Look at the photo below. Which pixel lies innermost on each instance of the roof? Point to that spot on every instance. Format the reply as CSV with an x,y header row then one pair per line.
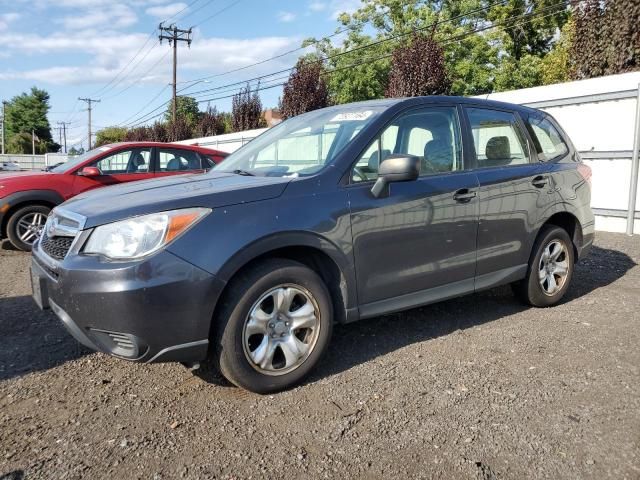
x,y
161,144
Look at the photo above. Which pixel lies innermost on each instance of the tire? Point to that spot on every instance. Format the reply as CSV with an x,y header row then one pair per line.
x,y
249,329
546,281
25,226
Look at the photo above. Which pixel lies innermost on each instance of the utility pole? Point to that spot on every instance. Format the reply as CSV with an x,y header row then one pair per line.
x,y
89,102
174,35
64,133
4,106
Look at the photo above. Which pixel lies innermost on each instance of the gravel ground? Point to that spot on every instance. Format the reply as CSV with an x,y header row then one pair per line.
x,y
478,387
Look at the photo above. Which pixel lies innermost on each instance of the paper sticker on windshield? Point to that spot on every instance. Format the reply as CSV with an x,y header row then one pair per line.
x,y
352,116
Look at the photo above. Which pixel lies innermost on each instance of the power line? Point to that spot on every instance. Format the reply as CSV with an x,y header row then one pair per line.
x,y
145,106
64,129
106,88
151,35
339,54
444,42
222,10
174,35
527,18
209,2
141,77
353,27
89,101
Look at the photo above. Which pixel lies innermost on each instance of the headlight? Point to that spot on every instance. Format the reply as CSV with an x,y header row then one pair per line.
x,y
140,236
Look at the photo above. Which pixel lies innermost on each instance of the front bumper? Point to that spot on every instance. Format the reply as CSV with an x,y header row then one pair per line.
x,y
155,310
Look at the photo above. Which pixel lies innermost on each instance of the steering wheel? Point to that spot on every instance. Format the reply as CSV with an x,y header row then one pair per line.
x,y
358,171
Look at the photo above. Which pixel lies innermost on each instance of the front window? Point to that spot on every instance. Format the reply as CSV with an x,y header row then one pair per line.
x,y
432,134
302,145
135,160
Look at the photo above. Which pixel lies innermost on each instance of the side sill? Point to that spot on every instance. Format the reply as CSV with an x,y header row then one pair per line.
x,y
500,277
417,299
443,292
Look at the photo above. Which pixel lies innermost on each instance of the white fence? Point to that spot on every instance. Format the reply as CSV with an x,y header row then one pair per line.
x,y
35,162
229,142
599,116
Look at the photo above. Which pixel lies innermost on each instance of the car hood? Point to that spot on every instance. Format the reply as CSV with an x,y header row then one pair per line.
x,y
212,190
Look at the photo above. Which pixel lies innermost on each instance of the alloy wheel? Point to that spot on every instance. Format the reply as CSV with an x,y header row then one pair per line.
x,y
281,329
30,226
553,269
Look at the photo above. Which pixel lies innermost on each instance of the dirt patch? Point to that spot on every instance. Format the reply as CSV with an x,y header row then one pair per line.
x,y
477,387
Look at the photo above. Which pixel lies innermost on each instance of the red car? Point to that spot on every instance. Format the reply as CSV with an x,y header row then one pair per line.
x,y
27,197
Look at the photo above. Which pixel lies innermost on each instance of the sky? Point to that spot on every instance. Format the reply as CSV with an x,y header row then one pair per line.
x,y
109,50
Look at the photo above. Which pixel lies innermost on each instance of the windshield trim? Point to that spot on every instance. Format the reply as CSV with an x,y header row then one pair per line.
x,y
75,162
244,158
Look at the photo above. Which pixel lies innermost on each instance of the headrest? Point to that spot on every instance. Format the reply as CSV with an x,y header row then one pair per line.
x,y
498,148
138,160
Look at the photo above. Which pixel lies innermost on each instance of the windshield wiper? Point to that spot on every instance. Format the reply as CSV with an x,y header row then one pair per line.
x,y
243,172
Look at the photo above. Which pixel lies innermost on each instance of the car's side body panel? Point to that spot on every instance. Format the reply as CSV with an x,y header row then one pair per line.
x,y
413,247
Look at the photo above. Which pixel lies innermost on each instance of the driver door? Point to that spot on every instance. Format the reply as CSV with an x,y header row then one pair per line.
x,y
126,165
418,244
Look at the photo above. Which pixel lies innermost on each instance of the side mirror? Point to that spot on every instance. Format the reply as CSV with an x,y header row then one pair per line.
x,y
395,168
90,172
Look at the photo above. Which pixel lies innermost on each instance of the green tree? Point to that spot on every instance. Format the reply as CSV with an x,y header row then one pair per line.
x,y
187,110
513,74
534,36
556,65
476,36
110,135
76,151
27,113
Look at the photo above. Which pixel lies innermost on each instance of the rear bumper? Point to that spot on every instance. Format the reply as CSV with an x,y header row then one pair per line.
x,y
156,310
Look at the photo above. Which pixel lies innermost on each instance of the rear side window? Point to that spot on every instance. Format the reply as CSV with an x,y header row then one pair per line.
x,y
497,138
174,160
547,139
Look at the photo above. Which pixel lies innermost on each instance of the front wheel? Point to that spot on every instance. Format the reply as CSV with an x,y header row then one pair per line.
x,y
550,269
273,327
25,226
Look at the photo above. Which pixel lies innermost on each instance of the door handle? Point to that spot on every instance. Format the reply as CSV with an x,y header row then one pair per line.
x,y
464,195
540,181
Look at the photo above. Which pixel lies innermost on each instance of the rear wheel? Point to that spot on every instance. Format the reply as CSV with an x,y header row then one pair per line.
x,y
25,226
550,269
273,327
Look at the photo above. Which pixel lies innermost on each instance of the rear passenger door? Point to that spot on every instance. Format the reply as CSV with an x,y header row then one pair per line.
x,y
175,161
514,194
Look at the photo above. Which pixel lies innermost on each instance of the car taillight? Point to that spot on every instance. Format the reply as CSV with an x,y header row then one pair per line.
x,y
585,172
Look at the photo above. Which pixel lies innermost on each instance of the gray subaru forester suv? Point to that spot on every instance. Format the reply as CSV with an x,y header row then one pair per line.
x,y
336,215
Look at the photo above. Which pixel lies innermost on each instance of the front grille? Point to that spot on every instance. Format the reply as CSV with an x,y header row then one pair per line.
x,y
56,247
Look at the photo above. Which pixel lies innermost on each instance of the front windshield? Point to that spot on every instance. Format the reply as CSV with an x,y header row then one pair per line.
x,y
75,161
302,145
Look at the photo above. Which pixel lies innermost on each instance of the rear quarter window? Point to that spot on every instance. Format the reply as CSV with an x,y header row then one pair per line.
x,y
548,141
